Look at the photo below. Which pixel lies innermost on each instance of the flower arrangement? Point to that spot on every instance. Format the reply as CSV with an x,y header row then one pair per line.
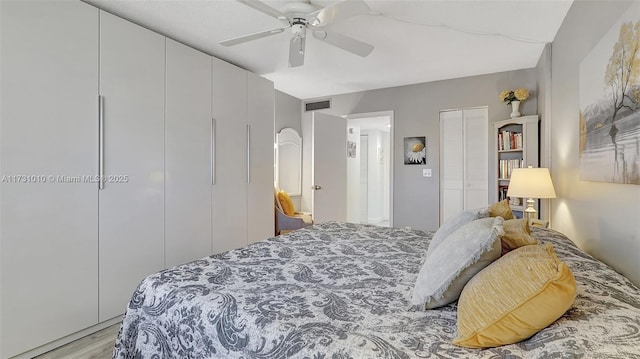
x,y
509,96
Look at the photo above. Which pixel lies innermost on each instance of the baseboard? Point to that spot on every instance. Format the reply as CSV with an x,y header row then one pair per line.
x,y
68,339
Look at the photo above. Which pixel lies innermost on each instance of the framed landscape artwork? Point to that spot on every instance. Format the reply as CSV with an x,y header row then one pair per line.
x,y
610,105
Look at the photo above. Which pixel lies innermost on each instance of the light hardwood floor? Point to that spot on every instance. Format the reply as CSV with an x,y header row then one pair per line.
x,y
95,346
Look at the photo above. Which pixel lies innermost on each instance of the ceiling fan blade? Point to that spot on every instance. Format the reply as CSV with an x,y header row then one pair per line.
x,y
245,38
344,42
263,8
296,51
339,11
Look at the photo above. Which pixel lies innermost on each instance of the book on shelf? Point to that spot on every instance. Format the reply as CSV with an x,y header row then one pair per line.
x,y
507,166
502,195
509,140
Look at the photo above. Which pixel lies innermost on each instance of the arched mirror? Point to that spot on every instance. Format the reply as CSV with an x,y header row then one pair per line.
x,y
289,161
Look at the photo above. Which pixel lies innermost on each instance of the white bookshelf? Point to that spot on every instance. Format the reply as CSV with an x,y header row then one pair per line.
x,y
516,142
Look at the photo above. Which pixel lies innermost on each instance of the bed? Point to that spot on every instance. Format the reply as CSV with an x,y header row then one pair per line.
x,y
338,290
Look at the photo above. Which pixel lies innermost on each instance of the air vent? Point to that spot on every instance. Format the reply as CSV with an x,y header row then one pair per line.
x,y
318,105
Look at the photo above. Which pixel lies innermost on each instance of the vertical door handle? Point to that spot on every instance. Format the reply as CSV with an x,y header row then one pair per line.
x,y
248,153
100,142
213,151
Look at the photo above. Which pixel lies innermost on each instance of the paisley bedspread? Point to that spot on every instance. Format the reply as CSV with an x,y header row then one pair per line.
x,y
338,290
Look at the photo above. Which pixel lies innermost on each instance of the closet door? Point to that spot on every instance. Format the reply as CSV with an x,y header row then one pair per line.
x,y
188,162
231,165
476,158
49,213
451,164
131,233
260,105
464,161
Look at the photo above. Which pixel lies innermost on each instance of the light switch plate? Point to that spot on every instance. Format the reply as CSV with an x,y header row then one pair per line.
x,y
426,172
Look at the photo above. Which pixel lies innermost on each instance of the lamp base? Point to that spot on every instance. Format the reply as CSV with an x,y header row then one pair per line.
x,y
530,212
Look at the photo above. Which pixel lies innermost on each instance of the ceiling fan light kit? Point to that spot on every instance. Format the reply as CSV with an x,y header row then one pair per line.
x,y
300,16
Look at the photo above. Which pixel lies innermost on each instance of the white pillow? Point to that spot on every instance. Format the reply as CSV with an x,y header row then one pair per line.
x,y
452,224
456,260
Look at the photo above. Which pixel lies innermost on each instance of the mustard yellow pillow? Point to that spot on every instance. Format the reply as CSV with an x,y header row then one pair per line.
x,y
514,298
516,234
286,203
501,209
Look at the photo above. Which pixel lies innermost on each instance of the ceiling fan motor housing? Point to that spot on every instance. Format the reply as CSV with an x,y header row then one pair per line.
x,y
298,28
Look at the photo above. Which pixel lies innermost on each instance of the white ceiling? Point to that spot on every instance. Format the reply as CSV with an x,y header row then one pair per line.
x,y
415,40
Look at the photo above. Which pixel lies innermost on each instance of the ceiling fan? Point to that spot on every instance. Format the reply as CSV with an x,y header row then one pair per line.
x,y
301,15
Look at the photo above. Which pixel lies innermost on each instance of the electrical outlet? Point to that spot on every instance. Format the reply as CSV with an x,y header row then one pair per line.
x,y
426,172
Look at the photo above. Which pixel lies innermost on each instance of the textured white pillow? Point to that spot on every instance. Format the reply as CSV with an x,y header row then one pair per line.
x,y
456,260
454,223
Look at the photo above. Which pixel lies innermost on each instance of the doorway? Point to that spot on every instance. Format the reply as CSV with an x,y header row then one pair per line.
x,y
369,169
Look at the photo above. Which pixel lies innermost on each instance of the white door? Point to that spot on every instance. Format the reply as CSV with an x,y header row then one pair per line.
x,y
464,161
329,168
260,212
131,221
476,158
230,159
364,179
451,164
188,175
49,114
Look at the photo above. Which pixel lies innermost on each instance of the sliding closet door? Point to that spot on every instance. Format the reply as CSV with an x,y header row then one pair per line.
x,y
188,162
131,233
49,214
231,162
260,107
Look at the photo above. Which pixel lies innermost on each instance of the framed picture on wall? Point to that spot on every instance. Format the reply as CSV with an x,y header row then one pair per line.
x,y
351,149
610,105
415,150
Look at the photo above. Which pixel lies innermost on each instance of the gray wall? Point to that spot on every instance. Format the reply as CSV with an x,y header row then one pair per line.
x,y
287,110
416,113
602,218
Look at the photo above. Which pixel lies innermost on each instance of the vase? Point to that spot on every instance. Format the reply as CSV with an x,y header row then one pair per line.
x,y
515,106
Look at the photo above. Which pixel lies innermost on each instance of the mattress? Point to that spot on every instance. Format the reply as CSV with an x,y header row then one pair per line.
x,y
339,290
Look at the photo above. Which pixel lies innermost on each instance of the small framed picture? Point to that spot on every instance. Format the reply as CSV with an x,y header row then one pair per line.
x,y
351,149
415,150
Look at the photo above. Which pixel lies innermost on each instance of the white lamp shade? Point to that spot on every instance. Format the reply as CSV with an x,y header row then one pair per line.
x,y
531,183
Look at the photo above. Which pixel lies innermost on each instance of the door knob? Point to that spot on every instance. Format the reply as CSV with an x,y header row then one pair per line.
x,y
316,187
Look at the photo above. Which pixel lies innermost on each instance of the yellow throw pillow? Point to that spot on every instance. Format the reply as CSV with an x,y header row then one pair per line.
x,y
286,203
514,298
516,234
501,209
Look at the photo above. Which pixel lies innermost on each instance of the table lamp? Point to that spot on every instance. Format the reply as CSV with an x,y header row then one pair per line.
x,y
531,183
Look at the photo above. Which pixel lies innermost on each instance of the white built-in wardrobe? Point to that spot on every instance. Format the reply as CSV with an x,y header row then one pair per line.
x,y
184,142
